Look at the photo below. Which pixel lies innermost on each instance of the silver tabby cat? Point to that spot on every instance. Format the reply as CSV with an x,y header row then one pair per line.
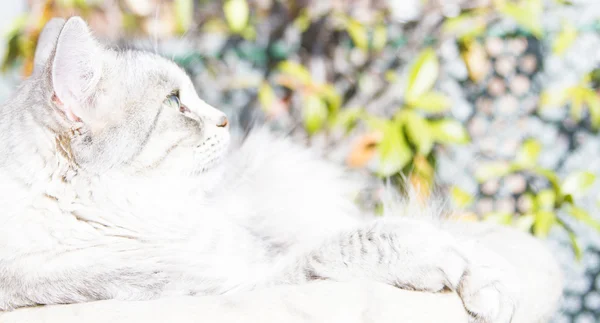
x,y
117,183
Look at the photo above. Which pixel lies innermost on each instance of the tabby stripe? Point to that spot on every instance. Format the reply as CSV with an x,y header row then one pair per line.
x,y
166,154
148,134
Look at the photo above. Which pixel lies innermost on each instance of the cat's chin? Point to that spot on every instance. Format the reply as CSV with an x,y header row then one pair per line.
x,y
209,166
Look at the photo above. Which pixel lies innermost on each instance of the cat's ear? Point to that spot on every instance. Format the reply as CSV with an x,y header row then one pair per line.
x,y
46,43
76,67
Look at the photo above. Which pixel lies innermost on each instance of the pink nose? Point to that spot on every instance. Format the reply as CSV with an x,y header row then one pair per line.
x,y
222,123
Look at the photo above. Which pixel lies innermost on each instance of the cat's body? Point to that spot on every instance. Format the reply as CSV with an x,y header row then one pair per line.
x,y
112,191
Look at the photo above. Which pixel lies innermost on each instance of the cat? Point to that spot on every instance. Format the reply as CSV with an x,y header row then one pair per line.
x,y
119,182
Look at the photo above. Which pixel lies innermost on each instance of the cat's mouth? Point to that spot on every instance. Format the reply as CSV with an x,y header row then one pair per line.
x,y
208,166
211,151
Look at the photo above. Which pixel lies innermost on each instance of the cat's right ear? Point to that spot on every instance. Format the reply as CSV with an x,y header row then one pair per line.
x,y
76,67
46,43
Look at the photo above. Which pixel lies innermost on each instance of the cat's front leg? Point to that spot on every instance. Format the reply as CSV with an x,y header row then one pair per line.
x,y
417,255
77,276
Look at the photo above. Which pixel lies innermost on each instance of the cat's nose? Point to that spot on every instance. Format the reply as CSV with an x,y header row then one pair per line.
x,y
222,122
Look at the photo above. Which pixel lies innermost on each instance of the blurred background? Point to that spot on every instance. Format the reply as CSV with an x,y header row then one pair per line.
x,y
494,103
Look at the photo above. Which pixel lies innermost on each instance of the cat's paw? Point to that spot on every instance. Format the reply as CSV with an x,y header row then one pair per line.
x,y
417,255
431,259
489,287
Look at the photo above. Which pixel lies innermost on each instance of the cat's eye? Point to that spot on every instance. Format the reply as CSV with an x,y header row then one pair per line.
x,y
174,101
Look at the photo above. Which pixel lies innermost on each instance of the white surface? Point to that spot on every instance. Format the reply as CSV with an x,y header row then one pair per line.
x,y
332,302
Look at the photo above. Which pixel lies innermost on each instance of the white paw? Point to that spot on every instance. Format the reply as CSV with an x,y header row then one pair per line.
x,y
434,260
489,288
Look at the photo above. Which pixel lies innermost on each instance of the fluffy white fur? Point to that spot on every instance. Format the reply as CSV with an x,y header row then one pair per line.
x,y
326,301
111,193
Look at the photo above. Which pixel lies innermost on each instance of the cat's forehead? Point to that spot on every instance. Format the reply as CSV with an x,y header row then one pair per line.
x,y
147,67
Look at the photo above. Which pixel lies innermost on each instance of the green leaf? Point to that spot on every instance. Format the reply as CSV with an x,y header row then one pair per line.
x,y
379,37
184,10
565,39
492,170
524,222
593,103
16,25
331,96
266,96
296,71
237,14
529,152
577,99
85,4
249,33
544,220
358,33
466,25
377,124
551,177
65,3
568,198
302,22
314,113
476,60
583,216
577,183
577,250
390,76
573,237
347,118
432,102
417,130
394,152
528,202
504,218
545,200
461,198
449,131
554,98
423,74
13,51
528,14
422,172
536,9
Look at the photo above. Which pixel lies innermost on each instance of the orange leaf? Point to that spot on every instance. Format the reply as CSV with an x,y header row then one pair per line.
x,y
421,186
364,149
464,217
477,61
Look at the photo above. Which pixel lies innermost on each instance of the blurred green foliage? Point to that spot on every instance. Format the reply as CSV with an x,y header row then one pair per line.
x,y
540,214
401,136
579,96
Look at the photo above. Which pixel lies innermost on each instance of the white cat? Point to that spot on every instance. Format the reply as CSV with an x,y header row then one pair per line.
x,y
117,184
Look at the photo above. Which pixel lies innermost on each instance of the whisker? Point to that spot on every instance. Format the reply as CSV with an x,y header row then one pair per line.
x,y
156,23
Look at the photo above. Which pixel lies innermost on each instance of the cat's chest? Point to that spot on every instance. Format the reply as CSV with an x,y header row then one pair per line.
x,y
162,213
111,206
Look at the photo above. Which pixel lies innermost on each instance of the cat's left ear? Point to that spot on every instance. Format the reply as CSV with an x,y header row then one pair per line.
x,y
46,43
76,68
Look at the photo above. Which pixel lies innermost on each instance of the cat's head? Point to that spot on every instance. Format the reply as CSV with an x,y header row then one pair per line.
x,y
128,110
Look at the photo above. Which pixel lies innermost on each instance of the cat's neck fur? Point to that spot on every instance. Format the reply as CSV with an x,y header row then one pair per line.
x,y
29,131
